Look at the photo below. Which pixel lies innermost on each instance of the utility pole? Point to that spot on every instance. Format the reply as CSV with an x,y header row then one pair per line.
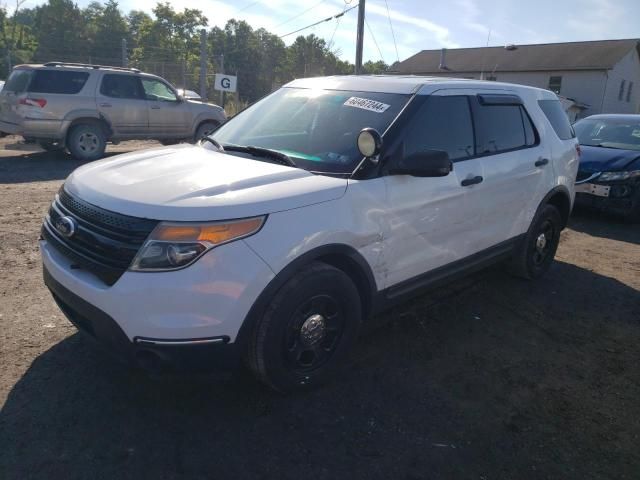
x,y
360,37
203,64
124,52
222,71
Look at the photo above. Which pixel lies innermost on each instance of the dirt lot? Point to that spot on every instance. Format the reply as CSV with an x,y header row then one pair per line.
x,y
491,378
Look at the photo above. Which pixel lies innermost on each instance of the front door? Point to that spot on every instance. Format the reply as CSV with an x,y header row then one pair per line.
x,y
121,101
168,115
432,222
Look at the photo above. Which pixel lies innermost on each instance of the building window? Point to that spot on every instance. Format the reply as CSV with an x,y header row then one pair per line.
x,y
621,91
555,84
629,90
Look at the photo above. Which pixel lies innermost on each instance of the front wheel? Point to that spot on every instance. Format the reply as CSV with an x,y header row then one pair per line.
x,y
535,253
307,330
87,141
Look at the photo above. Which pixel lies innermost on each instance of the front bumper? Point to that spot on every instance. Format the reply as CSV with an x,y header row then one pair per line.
x,y
192,312
619,198
153,354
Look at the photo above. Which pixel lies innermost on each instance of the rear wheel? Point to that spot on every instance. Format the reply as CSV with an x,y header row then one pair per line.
x,y
205,129
535,253
307,331
87,141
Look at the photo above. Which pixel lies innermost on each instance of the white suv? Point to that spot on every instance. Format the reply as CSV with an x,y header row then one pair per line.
x,y
276,238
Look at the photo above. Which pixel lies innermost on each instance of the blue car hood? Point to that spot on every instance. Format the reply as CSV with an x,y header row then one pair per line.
x,y
600,159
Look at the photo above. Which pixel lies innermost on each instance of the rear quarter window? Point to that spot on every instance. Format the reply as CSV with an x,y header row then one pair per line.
x,y
58,81
558,118
18,81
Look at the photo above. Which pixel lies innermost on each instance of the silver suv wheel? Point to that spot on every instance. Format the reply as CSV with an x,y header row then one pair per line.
x,y
87,141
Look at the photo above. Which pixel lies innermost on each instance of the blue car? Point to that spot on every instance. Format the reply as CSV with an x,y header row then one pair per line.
x,y
609,174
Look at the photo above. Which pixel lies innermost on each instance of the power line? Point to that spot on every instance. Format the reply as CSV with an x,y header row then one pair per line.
x,y
246,7
299,14
392,32
319,22
374,39
346,3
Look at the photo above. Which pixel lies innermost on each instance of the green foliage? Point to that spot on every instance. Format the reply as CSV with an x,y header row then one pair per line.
x,y
166,43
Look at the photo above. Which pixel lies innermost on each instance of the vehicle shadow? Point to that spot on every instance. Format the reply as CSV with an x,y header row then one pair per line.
x,y
502,377
598,224
39,166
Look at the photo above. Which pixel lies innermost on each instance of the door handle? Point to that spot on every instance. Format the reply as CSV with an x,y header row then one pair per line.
x,y
155,107
542,162
105,104
472,181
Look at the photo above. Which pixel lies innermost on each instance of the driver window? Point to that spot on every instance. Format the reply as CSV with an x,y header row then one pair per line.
x,y
156,90
443,123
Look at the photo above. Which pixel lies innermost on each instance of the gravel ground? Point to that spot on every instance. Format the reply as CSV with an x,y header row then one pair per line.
x,y
489,378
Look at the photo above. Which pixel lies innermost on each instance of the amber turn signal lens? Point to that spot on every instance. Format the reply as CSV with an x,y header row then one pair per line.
x,y
214,233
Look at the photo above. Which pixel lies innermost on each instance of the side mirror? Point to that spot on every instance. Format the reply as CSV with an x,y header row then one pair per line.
x,y
369,142
427,163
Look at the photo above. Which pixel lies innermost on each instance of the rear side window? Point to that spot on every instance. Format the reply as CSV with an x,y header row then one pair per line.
x,y
58,81
558,118
121,86
501,128
443,123
18,81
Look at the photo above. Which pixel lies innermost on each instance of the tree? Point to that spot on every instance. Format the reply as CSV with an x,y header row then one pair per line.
x,y
60,31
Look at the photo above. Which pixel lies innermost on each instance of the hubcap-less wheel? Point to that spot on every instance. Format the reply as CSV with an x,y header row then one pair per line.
x,y
542,246
313,334
88,142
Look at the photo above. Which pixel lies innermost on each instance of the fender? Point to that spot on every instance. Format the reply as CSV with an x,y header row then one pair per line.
x,y
565,209
209,116
74,115
332,254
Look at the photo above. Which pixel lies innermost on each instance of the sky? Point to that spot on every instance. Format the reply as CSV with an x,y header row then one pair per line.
x,y
424,24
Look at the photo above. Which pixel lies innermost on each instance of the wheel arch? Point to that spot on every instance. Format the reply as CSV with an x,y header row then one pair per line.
x,y
560,198
99,120
340,256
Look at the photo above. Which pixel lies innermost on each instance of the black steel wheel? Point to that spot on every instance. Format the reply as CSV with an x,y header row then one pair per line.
x,y
307,330
536,252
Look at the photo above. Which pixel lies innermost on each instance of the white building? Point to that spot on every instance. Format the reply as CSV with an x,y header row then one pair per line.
x,y
601,76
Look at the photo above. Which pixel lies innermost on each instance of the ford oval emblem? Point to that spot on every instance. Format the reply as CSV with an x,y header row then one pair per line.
x,y
66,226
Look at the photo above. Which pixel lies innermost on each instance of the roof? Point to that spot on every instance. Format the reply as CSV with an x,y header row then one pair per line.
x,y
598,55
402,84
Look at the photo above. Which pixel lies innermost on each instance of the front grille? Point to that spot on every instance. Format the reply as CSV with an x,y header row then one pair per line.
x,y
104,242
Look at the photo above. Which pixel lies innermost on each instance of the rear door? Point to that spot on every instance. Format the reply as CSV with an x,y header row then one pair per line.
x,y
120,99
168,115
515,162
10,95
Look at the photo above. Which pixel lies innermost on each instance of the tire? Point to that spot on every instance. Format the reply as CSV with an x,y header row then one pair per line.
x,y
306,332
204,129
166,142
535,253
87,141
51,146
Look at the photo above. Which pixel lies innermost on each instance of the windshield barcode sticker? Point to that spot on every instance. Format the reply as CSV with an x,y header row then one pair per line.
x,y
367,104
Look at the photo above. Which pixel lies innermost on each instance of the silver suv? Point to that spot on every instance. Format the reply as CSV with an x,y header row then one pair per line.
x,y
82,107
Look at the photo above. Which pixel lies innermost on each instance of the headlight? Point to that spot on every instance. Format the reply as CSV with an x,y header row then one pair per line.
x,y
175,245
616,176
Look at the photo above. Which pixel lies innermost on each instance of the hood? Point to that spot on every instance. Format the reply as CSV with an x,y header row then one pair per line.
x,y
600,159
192,183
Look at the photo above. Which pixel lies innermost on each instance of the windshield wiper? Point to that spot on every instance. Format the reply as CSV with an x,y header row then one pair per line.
x,y
278,157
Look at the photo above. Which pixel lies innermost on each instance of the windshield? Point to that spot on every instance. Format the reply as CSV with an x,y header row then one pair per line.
x,y
318,129
619,133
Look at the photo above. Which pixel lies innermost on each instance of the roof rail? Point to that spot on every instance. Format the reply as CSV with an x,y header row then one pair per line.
x,y
89,65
